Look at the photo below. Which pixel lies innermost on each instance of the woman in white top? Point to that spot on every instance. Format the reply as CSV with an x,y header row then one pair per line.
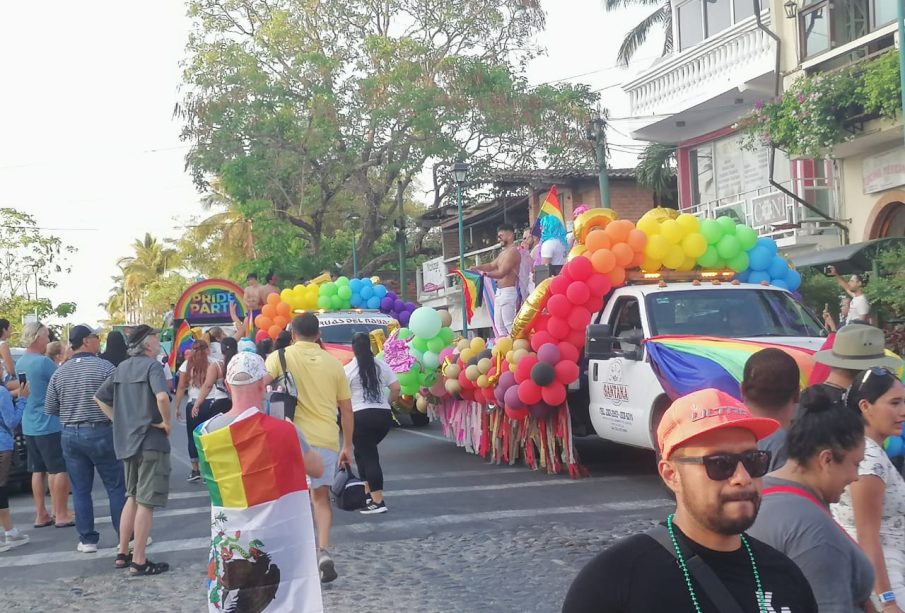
x,y
202,381
370,380
872,509
859,307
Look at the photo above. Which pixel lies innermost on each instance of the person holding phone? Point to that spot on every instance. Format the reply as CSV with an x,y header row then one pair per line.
x,y
10,416
859,307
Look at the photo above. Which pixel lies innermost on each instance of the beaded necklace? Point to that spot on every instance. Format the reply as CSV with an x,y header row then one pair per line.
x,y
761,602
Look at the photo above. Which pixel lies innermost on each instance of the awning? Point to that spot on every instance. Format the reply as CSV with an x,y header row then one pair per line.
x,y
857,257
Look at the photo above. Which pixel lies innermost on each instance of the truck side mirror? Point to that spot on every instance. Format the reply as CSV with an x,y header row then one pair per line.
x,y
599,342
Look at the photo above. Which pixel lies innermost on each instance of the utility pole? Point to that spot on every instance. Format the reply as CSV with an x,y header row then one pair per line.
x,y
597,133
400,240
901,6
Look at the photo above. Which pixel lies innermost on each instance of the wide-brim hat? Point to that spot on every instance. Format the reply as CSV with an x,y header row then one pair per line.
x,y
858,347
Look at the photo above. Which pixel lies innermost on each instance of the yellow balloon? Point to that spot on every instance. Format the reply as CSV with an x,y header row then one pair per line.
x,y
694,245
590,220
466,354
688,264
521,343
451,371
671,231
657,247
689,223
518,355
651,265
472,373
576,251
478,344
482,381
674,257
484,365
649,226
503,345
661,214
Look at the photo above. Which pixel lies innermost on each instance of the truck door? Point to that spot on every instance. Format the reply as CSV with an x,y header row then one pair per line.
x,y
623,388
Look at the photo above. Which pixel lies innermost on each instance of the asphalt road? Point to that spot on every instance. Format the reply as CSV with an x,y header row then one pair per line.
x,y
451,514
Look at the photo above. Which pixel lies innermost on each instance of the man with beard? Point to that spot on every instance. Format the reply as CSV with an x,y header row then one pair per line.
x,y
699,560
505,269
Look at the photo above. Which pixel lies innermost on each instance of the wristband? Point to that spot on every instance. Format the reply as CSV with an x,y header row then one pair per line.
x,y
887,597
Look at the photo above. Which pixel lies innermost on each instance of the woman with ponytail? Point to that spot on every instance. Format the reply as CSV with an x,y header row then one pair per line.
x,y
825,445
369,380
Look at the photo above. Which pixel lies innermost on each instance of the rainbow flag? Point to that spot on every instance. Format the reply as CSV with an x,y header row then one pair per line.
x,y
182,342
550,207
263,550
685,364
472,285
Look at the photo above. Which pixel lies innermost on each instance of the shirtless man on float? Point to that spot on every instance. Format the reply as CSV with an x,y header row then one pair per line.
x,y
505,270
253,295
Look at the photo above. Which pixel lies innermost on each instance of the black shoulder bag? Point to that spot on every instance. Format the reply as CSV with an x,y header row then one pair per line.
x,y
703,574
285,394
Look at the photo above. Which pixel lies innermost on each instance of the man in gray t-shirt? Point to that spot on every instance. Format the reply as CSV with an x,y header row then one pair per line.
x,y
771,383
135,398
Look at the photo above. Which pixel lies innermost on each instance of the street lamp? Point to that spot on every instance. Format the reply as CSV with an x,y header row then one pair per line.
x,y
791,9
354,218
460,173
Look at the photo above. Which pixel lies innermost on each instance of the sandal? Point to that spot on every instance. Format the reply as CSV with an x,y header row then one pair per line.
x,y
46,524
148,568
123,560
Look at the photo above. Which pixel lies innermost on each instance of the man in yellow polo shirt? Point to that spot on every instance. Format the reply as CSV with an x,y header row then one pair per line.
x,y
322,387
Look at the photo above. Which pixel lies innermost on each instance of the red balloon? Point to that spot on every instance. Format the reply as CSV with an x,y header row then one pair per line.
x,y
559,285
575,337
488,395
559,306
578,292
554,394
464,382
566,371
467,394
529,392
538,339
568,352
599,284
540,323
558,327
594,304
260,335
523,368
579,268
579,318
516,414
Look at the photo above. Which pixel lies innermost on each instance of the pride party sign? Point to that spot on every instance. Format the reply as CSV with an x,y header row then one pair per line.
x,y
207,302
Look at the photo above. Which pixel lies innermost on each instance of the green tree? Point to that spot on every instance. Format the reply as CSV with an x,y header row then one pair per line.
x,y
661,18
148,283
656,170
322,109
886,291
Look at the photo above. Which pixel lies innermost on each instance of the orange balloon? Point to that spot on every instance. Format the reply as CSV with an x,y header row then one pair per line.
x,y
284,309
282,321
269,310
596,240
274,331
637,240
618,230
617,276
262,322
624,254
603,260
638,260
273,298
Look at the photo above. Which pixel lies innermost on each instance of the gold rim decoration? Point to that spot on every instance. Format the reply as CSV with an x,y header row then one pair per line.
x,y
577,251
530,309
591,220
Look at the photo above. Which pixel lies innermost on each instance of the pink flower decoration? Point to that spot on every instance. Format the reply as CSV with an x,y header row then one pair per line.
x,y
396,355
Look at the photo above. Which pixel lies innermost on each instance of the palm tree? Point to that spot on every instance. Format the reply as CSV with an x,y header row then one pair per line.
x,y
656,170
637,36
152,260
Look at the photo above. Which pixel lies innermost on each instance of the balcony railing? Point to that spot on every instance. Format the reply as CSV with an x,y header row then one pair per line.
x,y
472,258
718,64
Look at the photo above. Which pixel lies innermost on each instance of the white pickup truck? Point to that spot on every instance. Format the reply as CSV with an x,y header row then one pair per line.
x,y
619,397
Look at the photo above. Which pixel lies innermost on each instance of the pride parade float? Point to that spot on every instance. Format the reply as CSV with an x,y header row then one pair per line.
x,y
212,302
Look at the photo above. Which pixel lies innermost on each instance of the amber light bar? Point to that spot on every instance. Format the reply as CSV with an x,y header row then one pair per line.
x,y
637,276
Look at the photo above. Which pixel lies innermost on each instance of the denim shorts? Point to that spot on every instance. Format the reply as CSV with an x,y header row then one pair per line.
x,y
45,453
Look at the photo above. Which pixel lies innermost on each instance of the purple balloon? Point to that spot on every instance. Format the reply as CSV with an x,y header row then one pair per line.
x,y
511,399
410,307
548,353
386,304
541,410
404,318
398,305
507,380
499,394
392,296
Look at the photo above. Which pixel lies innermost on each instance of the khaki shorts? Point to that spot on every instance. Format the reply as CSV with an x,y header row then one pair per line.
x,y
148,478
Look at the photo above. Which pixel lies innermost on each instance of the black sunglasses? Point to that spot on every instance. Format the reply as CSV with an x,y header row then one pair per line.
x,y
721,466
873,371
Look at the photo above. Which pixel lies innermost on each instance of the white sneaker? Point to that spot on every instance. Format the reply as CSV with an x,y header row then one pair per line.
x,y
4,546
87,548
132,543
14,539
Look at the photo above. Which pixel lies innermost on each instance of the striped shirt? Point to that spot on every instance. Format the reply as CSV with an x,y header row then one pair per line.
x,y
70,393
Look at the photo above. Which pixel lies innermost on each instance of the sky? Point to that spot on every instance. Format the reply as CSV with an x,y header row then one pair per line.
x,y
88,145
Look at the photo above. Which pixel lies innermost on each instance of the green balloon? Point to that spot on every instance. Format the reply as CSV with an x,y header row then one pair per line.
x,y
436,344
728,247
407,378
404,334
711,231
344,291
324,302
710,258
336,302
328,289
419,343
447,335
410,390
739,263
342,281
727,225
746,236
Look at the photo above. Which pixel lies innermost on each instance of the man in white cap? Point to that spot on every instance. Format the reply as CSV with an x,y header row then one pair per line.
x,y
700,561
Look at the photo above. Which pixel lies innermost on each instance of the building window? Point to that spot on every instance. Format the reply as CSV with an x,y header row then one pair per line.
x,y
703,187
718,15
743,9
826,25
691,24
699,20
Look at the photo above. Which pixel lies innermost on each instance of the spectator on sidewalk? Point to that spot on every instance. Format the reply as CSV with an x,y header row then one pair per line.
x,y
42,432
116,351
859,307
322,387
770,388
87,433
135,399
56,351
10,416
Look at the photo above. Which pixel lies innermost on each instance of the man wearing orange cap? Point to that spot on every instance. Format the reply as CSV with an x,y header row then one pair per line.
x,y
699,560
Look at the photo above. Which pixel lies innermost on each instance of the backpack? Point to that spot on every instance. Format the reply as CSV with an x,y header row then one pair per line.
x,y
348,490
285,397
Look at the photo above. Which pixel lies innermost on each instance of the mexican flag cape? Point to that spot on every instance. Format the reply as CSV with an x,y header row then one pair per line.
x,y
263,552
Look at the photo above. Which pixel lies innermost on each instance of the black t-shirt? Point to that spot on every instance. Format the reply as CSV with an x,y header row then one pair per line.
x,y
834,393
637,575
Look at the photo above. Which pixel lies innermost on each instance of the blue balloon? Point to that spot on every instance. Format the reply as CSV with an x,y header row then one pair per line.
x,y
743,276
758,276
366,282
769,243
380,290
780,283
793,278
759,258
779,268
355,301
895,446
366,292
355,285
373,302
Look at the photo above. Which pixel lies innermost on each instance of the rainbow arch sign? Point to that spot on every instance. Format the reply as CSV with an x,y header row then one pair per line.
x,y
207,303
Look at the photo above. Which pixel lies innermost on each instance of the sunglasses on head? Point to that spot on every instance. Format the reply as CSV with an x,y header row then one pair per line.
x,y
873,371
721,466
